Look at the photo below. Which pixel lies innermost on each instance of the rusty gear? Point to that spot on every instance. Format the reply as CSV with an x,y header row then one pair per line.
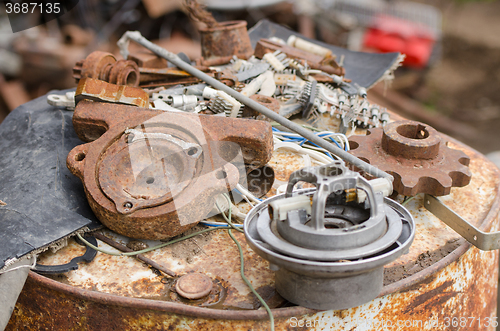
x,y
416,155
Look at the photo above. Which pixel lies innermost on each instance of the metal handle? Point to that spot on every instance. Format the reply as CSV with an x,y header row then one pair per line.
x,y
483,240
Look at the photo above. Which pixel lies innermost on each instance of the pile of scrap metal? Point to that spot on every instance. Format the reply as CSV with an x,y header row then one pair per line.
x,y
163,139
173,145
170,143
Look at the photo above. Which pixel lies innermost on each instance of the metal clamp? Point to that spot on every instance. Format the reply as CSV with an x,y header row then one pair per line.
x,y
485,241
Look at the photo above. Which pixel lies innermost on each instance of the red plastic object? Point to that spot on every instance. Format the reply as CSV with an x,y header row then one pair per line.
x,y
391,34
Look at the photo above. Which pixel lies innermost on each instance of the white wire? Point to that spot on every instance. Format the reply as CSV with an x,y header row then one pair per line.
x,y
32,266
247,193
339,137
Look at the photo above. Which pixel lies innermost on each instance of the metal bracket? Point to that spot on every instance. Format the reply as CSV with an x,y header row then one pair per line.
x,y
67,100
483,240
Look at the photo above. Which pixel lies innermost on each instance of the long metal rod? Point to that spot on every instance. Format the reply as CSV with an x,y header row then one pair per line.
x,y
173,58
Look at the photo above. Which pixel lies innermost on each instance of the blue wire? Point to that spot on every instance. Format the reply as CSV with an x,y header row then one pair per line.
x,y
219,225
302,141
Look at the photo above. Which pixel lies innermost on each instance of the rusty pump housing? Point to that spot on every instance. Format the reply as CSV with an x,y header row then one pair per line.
x,y
151,174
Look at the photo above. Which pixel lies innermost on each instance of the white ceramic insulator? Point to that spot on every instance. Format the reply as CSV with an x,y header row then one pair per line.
x,y
379,185
268,87
232,101
283,79
307,46
178,101
280,208
162,105
274,62
255,85
209,93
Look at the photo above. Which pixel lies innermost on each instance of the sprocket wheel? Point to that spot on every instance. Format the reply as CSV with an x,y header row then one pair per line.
x,y
416,155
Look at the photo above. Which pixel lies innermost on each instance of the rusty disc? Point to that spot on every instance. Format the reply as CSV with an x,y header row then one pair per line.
x,y
193,286
416,155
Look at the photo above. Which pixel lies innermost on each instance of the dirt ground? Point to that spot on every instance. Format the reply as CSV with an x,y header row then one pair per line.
x,y
465,83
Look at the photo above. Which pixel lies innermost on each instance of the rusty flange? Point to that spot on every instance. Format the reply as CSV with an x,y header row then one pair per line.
x,y
104,66
416,155
153,175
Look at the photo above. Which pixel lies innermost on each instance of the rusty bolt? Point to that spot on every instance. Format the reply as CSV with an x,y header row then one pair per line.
x,y
193,286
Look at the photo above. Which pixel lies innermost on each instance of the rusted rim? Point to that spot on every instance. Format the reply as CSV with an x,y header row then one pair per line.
x,y
177,308
228,25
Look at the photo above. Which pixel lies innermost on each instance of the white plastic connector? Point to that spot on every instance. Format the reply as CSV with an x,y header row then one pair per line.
x,y
283,79
274,62
252,87
268,87
162,105
307,46
209,93
379,185
278,209
232,101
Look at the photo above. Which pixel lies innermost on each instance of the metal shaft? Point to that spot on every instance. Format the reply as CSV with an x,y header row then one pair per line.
x,y
173,58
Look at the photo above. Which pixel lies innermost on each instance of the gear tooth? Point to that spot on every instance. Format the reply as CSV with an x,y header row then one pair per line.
x,y
460,178
439,184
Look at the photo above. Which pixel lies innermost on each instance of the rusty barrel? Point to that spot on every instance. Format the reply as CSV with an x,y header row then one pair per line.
x,y
442,283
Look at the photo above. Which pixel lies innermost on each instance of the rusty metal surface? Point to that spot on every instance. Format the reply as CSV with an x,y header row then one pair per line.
x,y
446,285
136,244
98,90
137,206
266,101
220,43
416,155
314,61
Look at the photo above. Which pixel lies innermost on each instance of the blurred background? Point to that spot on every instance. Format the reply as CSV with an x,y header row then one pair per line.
x,y
449,80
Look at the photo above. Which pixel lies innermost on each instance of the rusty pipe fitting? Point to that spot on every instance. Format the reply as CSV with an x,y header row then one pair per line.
x,y
222,42
104,66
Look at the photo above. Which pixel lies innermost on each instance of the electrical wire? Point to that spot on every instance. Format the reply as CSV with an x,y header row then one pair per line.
x,y
293,137
229,228
228,218
243,191
242,261
218,224
407,200
150,248
31,266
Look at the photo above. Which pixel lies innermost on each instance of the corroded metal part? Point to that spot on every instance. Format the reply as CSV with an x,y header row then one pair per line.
x,y
96,65
266,101
193,286
177,184
439,278
314,61
220,43
98,90
124,72
104,66
416,155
